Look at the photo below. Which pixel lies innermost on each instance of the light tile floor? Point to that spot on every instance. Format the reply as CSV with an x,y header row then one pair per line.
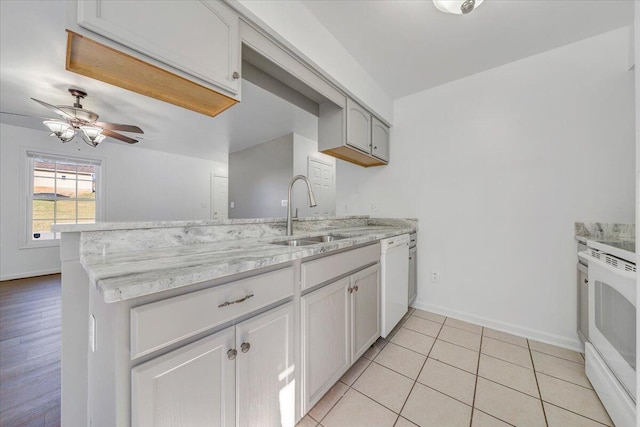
x,y
442,372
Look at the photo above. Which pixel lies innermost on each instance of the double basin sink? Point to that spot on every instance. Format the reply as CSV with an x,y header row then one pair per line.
x,y
306,241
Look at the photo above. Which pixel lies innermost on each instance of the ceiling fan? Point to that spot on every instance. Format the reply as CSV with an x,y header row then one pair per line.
x,y
75,118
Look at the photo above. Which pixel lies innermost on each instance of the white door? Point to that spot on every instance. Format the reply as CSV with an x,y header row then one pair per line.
x,y
325,339
191,386
322,177
198,37
365,310
358,127
219,197
265,367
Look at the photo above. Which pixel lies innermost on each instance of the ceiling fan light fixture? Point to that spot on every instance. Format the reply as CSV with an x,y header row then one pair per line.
x,y
457,7
58,127
91,132
66,136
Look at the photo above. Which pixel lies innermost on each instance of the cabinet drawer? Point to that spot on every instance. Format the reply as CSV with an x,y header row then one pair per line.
x,y
161,323
324,269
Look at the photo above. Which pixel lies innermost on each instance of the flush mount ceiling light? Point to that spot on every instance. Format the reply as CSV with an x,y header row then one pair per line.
x,y
458,7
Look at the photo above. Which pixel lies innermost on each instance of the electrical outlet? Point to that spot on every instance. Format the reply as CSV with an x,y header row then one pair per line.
x,y
283,203
435,276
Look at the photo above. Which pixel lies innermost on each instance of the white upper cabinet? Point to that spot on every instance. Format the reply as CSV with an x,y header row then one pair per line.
x,y
358,127
379,139
198,37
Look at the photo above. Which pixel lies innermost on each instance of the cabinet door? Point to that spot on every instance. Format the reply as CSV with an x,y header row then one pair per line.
x,y
191,386
413,274
379,139
365,310
358,127
325,339
265,369
199,37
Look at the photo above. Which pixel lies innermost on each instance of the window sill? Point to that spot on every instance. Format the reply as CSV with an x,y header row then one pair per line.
x,y
41,244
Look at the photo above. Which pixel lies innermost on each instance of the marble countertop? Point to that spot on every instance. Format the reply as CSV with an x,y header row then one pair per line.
x,y
125,275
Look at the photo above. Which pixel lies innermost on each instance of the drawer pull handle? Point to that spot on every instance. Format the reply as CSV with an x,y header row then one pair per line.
x,y
245,346
238,301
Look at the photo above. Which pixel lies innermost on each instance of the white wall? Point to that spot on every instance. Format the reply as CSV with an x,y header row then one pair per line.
x,y
138,185
497,167
292,21
259,177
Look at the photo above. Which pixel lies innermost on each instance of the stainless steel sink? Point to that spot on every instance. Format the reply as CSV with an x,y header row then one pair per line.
x,y
325,238
306,241
294,242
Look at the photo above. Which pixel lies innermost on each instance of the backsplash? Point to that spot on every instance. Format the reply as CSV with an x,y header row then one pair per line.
x,y
605,231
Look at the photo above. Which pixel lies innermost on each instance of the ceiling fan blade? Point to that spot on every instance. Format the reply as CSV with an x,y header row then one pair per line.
x,y
112,134
54,109
116,126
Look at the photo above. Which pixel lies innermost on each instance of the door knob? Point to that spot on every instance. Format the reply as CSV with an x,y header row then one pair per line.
x,y
235,75
245,346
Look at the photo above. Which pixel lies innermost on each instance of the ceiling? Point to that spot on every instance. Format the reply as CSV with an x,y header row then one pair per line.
x,y
408,45
32,65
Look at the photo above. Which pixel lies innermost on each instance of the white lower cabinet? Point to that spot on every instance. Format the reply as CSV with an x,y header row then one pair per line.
x,y
191,386
242,375
265,369
339,322
365,310
325,339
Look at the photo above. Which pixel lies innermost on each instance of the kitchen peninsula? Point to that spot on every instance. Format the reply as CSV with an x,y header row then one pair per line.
x,y
159,318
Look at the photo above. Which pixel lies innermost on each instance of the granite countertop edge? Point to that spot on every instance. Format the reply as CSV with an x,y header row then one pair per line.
x,y
123,276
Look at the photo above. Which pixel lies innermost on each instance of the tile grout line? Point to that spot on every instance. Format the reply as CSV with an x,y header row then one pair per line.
x,y
535,375
420,371
576,413
475,387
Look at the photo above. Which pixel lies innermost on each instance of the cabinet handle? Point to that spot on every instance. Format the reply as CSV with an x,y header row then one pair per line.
x,y
238,301
245,346
355,288
375,147
586,282
231,354
235,75
350,290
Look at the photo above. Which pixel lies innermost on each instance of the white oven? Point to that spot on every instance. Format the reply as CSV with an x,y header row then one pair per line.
x,y
611,350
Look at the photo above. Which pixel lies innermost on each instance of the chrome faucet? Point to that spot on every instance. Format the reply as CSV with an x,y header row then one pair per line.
x,y
312,200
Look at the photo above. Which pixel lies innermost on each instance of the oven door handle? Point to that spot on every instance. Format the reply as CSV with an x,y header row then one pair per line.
x,y
613,270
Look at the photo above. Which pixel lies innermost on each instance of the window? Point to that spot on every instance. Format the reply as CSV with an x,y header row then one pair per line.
x,y
61,191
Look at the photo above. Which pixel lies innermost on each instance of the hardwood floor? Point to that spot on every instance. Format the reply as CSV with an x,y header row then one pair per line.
x,y
30,352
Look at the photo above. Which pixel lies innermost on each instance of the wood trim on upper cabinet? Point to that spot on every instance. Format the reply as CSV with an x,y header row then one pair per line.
x,y
100,62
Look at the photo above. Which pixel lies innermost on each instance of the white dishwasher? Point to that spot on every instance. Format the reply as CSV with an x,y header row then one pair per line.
x,y
394,281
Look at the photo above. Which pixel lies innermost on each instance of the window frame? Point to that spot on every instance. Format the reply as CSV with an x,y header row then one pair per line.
x,y
26,184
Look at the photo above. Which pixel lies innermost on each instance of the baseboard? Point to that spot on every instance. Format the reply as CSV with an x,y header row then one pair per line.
x,y
29,274
557,340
